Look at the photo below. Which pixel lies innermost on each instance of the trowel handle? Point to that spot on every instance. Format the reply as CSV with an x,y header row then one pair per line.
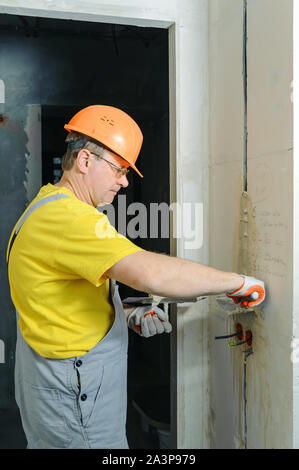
x,y
252,296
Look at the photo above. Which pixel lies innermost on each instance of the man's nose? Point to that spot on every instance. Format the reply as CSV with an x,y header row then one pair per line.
x,y
123,181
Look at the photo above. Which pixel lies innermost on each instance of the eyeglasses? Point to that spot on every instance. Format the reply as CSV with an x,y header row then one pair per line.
x,y
119,171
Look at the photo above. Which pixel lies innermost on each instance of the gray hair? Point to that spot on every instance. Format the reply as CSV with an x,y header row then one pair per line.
x,y
76,142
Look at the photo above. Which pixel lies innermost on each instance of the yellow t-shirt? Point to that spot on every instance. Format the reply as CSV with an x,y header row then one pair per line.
x,y
56,274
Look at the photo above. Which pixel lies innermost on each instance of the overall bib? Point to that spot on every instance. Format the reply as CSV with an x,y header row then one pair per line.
x,y
78,402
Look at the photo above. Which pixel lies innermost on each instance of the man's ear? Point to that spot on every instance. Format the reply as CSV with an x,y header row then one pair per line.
x,y
83,160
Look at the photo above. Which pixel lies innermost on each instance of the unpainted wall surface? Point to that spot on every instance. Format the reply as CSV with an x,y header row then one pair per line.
x,y
192,189
251,231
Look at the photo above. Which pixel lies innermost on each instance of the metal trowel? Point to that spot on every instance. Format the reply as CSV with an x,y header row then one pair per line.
x,y
230,308
156,300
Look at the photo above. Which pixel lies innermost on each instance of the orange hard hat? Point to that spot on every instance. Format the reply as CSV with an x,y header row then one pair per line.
x,y
111,127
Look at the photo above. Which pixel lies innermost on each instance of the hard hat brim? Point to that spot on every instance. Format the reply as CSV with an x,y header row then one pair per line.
x,y
136,169
76,129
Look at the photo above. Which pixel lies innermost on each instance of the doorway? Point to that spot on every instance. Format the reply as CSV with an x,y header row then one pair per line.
x,y
64,65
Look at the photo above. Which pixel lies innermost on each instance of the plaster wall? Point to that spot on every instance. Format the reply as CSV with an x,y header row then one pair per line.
x,y
252,231
295,353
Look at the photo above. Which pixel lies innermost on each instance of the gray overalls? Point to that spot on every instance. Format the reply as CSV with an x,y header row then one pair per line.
x,y
79,402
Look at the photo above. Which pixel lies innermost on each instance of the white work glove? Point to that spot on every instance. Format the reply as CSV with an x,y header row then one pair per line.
x,y
250,294
149,321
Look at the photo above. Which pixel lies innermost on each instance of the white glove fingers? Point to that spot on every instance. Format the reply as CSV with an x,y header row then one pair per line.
x,y
167,327
151,324
144,328
159,324
251,293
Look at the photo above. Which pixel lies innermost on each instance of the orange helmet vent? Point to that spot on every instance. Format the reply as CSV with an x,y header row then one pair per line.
x,y
111,127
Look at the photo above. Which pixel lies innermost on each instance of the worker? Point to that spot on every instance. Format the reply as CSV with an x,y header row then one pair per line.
x,y
64,261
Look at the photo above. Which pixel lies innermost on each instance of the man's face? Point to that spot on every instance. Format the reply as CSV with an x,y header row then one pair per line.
x,y
103,180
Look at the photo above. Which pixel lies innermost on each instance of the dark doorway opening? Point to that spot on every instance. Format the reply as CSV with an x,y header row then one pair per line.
x,y
65,65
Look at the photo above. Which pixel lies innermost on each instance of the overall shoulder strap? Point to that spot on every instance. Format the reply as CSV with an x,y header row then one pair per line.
x,y
34,206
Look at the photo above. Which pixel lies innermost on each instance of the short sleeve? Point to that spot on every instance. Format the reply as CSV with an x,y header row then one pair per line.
x,y
90,246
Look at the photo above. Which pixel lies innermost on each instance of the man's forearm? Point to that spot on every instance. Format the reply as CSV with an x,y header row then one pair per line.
x,y
168,276
181,277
